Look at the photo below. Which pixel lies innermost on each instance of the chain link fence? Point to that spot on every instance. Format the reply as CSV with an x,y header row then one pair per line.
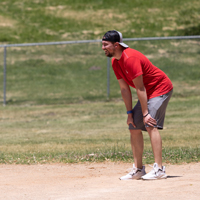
x,y
78,71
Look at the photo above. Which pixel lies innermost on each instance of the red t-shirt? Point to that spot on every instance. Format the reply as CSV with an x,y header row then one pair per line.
x,y
133,64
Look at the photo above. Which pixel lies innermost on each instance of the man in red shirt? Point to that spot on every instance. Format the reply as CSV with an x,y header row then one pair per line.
x,y
154,90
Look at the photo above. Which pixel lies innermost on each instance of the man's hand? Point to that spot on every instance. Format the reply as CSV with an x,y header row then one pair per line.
x,y
149,120
130,120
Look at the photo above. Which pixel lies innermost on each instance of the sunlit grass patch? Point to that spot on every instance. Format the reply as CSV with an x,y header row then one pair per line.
x,y
170,156
39,21
92,132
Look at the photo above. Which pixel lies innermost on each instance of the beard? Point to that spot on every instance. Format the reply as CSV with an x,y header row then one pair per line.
x,y
108,54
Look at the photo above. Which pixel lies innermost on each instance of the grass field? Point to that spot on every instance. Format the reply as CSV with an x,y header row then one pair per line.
x,y
48,20
57,107
92,131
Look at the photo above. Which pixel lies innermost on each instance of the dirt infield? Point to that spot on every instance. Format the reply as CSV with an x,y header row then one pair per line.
x,y
95,181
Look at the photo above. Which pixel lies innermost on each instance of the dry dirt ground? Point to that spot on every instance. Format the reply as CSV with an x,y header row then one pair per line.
x,y
93,181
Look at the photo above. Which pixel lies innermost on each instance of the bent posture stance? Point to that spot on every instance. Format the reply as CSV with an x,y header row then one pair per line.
x,y
154,90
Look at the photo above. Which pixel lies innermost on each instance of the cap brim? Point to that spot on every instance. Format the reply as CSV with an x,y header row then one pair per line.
x,y
123,44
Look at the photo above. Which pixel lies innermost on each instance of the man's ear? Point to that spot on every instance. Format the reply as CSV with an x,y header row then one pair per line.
x,y
116,44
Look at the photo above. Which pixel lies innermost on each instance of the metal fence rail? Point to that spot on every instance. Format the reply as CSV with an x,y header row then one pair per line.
x,y
79,42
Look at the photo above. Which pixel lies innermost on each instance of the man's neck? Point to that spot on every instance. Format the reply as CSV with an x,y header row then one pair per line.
x,y
118,55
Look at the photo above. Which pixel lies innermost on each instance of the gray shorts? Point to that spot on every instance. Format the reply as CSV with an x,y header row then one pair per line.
x,y
157,108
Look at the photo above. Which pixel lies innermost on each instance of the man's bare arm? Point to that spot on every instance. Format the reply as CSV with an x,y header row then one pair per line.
x,y
127,97
142,96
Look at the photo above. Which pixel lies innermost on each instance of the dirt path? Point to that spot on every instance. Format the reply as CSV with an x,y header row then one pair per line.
x,y
95,181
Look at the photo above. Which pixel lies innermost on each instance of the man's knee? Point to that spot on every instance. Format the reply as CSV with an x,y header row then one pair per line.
x,y
135,131
152,131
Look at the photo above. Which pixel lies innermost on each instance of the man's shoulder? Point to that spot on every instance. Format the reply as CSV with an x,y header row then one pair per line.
x,y
129,52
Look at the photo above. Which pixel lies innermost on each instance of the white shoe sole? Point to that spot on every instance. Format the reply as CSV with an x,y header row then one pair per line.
x,y
130,179
156,178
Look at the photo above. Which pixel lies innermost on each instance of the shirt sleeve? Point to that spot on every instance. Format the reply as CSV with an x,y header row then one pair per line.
x,y
133,68
116,68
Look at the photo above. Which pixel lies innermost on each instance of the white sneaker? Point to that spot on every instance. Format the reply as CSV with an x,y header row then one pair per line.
x,y
135,173
155,173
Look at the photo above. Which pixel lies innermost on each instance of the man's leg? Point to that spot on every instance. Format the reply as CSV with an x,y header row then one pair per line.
x,y
158,171
156,143
137,145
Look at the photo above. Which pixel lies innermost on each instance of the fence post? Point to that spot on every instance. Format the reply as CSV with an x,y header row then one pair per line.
x,y
108,78
4,78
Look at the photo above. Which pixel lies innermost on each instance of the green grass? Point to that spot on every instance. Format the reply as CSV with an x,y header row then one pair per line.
x,y
57,107
92,132
48,20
